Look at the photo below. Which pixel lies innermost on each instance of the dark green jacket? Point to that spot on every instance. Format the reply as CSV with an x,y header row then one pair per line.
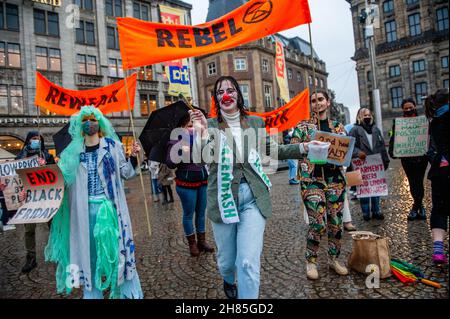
x,y
259,189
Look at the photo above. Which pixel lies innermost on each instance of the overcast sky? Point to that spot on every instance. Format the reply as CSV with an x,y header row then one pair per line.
x,y
332,33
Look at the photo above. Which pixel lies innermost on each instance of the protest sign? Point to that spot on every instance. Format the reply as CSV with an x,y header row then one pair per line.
x,y
108,99
341,148
145,43
373,176
9,168
411,136
11,193
44,188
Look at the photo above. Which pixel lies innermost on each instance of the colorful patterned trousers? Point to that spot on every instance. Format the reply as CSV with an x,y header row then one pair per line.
x,y
324,202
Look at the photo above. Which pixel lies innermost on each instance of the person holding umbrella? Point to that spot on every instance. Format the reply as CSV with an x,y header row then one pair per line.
x,y
92,233
238,200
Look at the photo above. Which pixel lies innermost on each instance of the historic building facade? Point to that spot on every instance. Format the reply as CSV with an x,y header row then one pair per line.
x,y
412,48
41,36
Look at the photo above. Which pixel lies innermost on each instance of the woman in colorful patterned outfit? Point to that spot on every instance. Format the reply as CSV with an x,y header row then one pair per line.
x,y
91,238
322,190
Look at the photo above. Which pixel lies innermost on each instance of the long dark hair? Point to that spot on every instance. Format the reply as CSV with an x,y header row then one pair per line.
x,y
240,100
435,101
323,92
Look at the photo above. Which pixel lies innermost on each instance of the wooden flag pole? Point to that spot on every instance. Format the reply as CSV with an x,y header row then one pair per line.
x,y
138,157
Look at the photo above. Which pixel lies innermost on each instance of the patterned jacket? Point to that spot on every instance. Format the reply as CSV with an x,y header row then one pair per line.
x,y
303,133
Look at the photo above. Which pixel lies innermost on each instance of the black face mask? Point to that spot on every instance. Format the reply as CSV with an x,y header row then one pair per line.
x,y
409,112
367,121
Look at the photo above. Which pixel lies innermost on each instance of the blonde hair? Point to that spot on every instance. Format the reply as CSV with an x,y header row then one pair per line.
x,y
360,116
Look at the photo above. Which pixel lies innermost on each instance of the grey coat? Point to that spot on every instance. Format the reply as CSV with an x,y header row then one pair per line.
x,y
79,213
362,143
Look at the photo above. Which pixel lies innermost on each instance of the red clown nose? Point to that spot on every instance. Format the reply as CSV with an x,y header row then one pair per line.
x,y
226,98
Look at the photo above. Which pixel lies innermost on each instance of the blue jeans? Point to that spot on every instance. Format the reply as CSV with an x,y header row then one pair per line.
x,y
368,203
292,168
240,246
193,201
156,187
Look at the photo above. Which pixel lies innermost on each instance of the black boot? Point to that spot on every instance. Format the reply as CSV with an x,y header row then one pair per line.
x,y
422,213
412,215
230,290
30,264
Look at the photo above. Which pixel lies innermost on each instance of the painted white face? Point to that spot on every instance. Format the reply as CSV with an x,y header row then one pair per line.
x,y
227,96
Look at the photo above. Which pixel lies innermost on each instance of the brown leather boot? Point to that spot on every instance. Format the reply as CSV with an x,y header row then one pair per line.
x,y
202,245
193,245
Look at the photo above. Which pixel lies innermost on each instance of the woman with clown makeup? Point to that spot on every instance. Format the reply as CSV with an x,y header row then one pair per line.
x,y
91,238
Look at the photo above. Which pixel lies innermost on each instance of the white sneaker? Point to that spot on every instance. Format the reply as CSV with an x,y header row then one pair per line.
x,y
9,227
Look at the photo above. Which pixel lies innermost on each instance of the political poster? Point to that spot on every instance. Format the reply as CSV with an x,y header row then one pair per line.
x,y
373,176
411,136
341,147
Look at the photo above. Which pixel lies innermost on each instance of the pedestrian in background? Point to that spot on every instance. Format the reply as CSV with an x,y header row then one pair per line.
x,y
368,141
436,110
292,163
165,179
156,186
414,167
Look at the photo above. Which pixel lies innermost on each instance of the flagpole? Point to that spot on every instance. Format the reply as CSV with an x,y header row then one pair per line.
x,y
137,155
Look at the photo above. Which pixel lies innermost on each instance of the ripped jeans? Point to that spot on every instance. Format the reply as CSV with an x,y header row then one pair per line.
x,y
240,246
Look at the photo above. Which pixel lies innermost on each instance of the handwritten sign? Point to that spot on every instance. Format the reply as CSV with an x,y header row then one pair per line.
x,y
411,136
45,190
9,168
11,193
341,148
373,176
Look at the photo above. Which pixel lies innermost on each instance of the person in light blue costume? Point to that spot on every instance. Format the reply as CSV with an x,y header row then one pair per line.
x,y
91,238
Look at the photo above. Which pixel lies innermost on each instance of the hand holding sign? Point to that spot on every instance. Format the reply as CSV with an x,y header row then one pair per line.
x,y
341,148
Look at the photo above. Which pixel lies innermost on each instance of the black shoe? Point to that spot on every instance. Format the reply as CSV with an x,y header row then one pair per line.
x,y
422,213
412,215
230,290
366,217
30,264
378,216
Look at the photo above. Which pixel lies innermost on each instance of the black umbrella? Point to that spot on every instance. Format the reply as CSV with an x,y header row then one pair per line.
x,y
156,133
62,139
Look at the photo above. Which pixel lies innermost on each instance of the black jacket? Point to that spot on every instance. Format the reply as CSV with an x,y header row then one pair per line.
x,y
27,152
362,144
439,131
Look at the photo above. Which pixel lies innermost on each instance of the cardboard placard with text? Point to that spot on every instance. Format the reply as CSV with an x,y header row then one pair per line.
x,y
411,136
341,148
45,191
373,176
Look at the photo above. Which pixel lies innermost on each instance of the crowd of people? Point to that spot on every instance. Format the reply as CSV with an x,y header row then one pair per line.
x,y
93,230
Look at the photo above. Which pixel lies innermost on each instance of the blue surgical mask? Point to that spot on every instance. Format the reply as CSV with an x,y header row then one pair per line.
x,y
35,144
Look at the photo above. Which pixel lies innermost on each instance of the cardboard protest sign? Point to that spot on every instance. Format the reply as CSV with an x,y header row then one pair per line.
x,y
283,118
45,191
373,176
341,148
411,136
11,193
108,99
9,168
145,43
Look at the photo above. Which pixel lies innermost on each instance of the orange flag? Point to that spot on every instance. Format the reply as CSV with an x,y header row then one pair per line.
x,y
108,99
283,118
145,43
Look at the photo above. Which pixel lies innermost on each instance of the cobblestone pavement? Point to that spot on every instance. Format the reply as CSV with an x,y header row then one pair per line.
x,y
167,270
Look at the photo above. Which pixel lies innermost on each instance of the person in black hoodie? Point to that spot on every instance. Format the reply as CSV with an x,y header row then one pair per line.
x,y
414,167
34,145
436,109
369,140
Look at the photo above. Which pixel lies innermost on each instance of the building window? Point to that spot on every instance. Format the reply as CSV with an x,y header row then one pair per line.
x,y
265,65
391,31
141,11
87,64
212,68
10,55
442,18
388,6
168,100
147,104
115,68
369,76
146,73
9,16
113,8
414,24
421,92
445,83
112,38
396,96
245,89
240,64
268,96
85,34
3,99
16,93
394,71
48,59
365,38
46,23
290,74
418,66
310,79
410,2
322,84
85,4
444,62
299,77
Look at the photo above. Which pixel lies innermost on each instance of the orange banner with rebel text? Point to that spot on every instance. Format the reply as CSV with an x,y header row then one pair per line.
x,y
145,43
108,99
283,118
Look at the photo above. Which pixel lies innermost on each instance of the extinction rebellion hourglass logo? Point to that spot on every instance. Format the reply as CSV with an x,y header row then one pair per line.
x,y
258,12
